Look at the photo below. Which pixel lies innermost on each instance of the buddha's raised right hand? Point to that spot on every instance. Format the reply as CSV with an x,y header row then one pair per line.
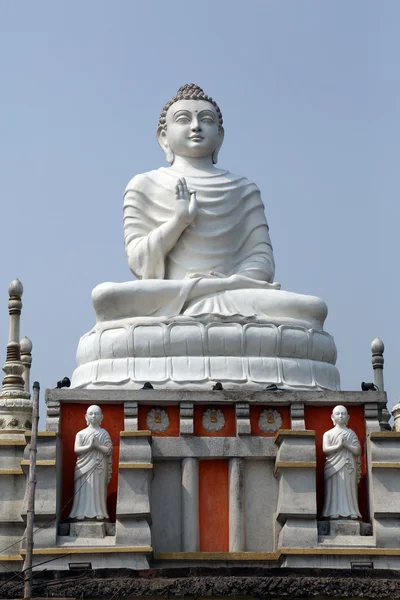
x,y
186,203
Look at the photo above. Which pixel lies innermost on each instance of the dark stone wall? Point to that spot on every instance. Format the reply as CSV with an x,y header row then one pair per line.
x,y
237,582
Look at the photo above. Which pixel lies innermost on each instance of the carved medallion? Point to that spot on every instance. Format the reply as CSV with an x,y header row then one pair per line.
x,y
269,420
157,420
13,423
213,419
2,423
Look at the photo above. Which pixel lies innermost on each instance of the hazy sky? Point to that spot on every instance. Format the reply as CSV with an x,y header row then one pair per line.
x,y
309,92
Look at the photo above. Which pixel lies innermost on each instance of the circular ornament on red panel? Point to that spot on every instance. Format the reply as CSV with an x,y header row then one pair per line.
x,y
213,419
270,420
157,420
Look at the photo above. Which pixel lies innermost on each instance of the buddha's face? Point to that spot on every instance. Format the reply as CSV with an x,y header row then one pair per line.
x,y
340,416
193,129
94,415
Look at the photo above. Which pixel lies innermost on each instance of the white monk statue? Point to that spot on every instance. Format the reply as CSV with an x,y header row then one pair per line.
x,y
197,240
342,468
93,469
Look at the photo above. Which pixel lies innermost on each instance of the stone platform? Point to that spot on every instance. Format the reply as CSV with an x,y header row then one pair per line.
x,y
195,355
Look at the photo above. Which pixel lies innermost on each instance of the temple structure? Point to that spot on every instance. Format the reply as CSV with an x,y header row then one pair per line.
x,y
216,392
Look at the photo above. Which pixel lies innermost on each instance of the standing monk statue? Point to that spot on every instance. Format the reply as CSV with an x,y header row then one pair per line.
x,y
342,468
93,469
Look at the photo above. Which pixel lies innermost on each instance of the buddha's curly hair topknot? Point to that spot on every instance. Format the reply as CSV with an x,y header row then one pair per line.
x,y
189,91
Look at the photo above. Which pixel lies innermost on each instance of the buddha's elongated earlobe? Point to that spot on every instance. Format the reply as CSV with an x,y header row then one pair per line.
x,y
170,156
217,149
162,140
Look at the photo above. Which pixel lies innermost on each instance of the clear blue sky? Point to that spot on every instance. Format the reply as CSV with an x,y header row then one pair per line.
x,y
310,97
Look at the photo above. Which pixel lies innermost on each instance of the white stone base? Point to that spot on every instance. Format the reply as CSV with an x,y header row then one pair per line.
x,y
195,355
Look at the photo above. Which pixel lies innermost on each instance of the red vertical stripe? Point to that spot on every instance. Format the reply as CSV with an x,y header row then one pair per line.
x,y
214,506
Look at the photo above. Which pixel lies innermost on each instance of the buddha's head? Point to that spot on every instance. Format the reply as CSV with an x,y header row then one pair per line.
x,y
94,416
190,125
340,416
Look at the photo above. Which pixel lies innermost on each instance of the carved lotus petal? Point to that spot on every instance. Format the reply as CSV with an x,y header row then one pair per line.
x,y
270,420
213,419
157,420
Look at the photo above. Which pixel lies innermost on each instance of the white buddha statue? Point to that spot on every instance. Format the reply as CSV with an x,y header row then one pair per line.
x,y
342,468
93,469
197,240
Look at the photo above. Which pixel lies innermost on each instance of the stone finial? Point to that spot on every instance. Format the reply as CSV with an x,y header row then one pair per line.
x,y
26,359
15,289
377,349
15,405
377,346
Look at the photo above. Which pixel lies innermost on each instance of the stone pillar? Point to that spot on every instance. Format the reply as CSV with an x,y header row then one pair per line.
x,y
15,405
385,487
297,416
133,497
190,505
236,506
243,418
26,359
131,416
186,418
48,487
396,416
371,413
377,349
297,502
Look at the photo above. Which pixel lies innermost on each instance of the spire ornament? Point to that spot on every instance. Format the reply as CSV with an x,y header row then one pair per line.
x,y
15,405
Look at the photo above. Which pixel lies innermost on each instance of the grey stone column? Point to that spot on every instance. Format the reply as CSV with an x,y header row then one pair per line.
x,y
190,505
295,468
236,505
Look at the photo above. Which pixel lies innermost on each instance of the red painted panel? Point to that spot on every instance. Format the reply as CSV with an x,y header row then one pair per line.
x,y
255,411
214,506
229,429
319,419
73,420
173,415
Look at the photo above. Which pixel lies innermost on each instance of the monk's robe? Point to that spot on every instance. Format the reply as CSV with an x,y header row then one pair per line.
x,y
342,474
91,478
229,236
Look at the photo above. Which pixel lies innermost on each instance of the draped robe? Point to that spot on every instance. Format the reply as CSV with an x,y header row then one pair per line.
x,y
92,475
342,473
229,235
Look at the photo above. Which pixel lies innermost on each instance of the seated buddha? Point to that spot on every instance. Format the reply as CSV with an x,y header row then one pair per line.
x,y
197,240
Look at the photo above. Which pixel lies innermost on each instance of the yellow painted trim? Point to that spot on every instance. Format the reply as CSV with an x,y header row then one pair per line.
x,y
39,463
295,464
7,557
299,432
12,443
135,466
11,472
282,433
386,465
343,551
217,555
90,550
42,433
139,433
270,556
384,434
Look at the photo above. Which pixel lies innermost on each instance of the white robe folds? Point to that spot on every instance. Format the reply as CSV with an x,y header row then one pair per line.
x,y
229,235
342,473
92,475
